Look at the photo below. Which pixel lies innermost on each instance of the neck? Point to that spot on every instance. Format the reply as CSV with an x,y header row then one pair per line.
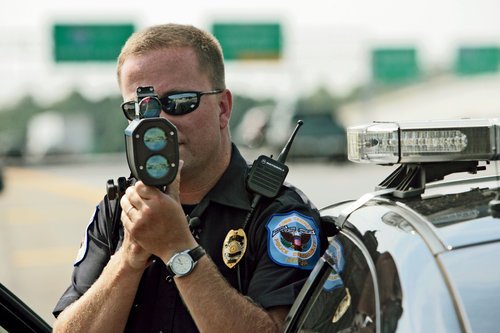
x,y
196,183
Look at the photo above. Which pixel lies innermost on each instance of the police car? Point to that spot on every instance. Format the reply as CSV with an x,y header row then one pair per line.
x,y
420,253
16,316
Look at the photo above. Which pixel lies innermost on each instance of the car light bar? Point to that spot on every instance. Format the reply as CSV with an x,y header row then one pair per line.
x,y
424,141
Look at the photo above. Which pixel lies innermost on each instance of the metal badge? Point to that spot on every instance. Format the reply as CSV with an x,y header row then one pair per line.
x,y
235,245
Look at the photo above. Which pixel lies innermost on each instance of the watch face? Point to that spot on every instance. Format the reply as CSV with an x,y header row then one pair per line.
x,y
181,264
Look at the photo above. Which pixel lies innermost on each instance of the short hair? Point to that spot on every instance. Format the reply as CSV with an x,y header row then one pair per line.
x,y
206,47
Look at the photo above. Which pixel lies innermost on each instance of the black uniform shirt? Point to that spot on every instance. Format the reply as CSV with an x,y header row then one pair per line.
x,y
284,242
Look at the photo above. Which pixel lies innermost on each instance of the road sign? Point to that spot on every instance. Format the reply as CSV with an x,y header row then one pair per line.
x,y
477,60
249,41
395,65
89,42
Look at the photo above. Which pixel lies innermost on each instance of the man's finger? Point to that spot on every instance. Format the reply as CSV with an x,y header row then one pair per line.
x,y
126,205
146,192
173,188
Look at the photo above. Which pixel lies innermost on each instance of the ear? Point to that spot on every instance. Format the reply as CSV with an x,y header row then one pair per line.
x,y
225,108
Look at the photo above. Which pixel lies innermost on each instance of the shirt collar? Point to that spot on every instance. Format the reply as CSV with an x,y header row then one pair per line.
x,y
231,190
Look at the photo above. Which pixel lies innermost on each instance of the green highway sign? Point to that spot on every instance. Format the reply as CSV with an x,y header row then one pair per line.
x,y
249,41
395,65
89,42
477,60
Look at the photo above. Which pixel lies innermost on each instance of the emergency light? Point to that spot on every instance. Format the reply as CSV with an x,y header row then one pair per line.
x,y
424,141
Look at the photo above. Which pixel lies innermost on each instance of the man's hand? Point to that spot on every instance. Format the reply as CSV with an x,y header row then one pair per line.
x,y
155,220
133,254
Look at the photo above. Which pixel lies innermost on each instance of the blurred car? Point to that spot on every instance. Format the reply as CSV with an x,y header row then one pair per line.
x,y
420,253
16,316
321,136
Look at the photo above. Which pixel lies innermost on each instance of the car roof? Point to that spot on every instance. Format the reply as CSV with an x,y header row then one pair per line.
x,y
457,213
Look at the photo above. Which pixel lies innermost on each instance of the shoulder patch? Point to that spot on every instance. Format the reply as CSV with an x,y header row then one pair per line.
x,y
293,240
82,252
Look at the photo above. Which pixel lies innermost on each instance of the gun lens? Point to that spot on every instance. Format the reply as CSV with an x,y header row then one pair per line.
x,y
149,107
155,139
157,166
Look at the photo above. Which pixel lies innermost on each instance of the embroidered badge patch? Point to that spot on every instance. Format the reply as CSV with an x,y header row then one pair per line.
x,y
293,240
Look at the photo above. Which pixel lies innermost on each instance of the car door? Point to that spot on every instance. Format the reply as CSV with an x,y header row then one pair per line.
x,y
340,294
16,316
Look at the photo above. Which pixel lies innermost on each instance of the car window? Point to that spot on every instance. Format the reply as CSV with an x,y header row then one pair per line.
x,y
16,316
346,301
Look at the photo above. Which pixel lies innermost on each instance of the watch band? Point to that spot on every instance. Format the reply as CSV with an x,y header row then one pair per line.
x,y
197,253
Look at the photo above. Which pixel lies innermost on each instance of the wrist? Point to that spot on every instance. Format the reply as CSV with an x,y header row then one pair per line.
x,y
183,263
126,264
175,248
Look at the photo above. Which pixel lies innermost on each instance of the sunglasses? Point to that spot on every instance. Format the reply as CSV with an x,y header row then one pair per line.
x,y
176,104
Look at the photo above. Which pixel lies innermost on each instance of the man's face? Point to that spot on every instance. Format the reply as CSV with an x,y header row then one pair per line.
x,y
176,70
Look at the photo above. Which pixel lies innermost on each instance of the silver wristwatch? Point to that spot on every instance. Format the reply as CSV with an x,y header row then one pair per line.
x,y
182,263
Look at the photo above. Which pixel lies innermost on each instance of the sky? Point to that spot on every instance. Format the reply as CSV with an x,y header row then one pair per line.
x,y
326,42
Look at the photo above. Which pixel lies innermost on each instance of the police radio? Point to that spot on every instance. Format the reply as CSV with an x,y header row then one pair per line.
x,y
267,175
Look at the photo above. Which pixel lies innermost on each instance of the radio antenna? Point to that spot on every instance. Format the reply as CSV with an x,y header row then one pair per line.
x,y
284,153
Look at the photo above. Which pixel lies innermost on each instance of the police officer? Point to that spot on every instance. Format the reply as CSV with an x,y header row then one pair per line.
x,y
217,276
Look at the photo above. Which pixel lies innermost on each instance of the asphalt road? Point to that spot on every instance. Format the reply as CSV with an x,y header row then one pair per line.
x,y
44,209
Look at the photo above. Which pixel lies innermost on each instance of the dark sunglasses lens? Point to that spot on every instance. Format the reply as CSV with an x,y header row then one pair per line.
x,y
179,104
129,110
149,107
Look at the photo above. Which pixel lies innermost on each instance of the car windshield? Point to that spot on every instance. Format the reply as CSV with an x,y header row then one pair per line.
x,y
454,208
